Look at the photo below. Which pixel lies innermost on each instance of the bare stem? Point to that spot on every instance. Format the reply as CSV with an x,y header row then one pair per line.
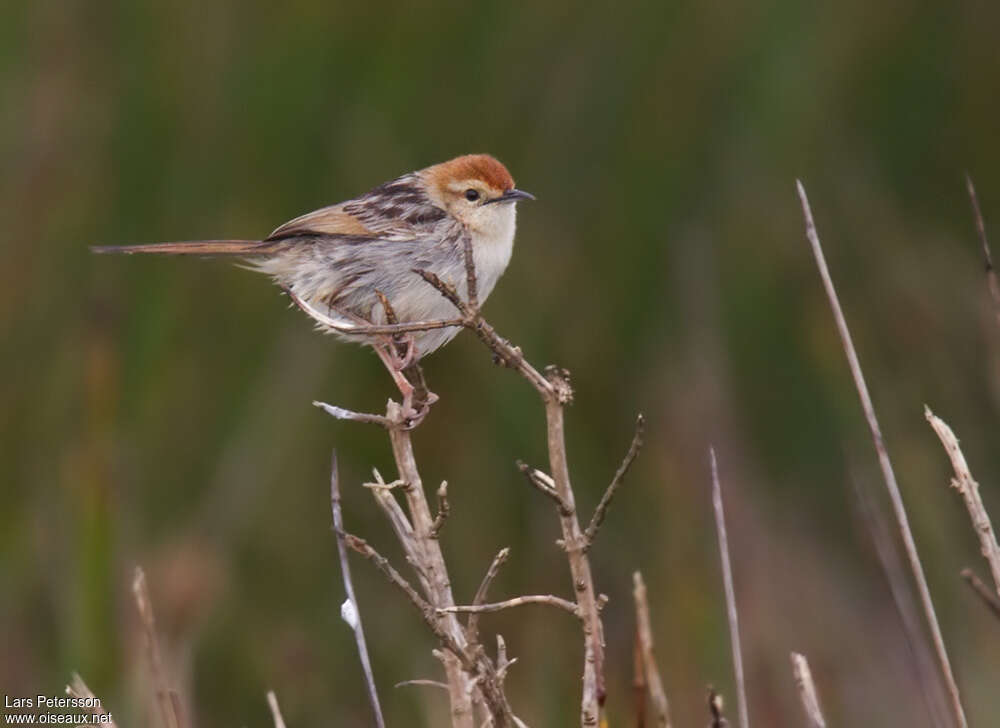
x,y
472,628
345,570
471,282
727,580
444,509
602,508
886,465
422,683
575,544
167,707
548,599
991,274
921,655
964,483
345,414
807,691
554,388
546,486
78,689
715,709
272,702
984,592
647,667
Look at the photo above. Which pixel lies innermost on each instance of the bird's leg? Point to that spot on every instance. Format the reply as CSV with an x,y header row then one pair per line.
x,y
409,378
403,349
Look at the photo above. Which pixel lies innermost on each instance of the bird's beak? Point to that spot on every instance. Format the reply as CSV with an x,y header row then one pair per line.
x,y
513,196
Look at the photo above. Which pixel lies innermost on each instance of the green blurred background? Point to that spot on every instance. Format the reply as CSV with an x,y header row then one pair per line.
x,y
157,411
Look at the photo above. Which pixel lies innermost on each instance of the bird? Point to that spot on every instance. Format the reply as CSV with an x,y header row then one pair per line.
x,y
352,265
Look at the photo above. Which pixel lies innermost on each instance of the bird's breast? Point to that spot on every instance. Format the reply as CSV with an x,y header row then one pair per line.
x,y
492,246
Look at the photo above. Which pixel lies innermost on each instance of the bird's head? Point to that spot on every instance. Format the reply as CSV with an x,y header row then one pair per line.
x,y
477,190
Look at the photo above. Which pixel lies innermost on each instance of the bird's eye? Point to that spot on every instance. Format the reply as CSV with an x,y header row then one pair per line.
x,y
471,195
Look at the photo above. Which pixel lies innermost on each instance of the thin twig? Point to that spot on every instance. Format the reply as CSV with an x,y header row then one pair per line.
x,y
715,708
421,683
991,275
639,688
574,544
549,599
546,486
444,509
886,465
647,665
472,627
471,282
503,663
556,392
727,581
554,388
358,544
272,701
922,658
428,559
602,508
984,592
345,570
366,328
964,483
77,688
345,414
507,354
807,691
161,690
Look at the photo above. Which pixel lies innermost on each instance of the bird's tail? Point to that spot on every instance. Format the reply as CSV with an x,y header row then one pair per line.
x,y
195,247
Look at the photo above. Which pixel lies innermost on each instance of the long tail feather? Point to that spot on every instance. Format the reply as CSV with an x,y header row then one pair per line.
x,y
195,247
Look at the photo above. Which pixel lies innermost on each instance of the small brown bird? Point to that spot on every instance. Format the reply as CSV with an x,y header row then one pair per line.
x,y
336,260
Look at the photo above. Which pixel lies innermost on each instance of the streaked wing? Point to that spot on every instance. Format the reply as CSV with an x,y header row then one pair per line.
x,y
396,211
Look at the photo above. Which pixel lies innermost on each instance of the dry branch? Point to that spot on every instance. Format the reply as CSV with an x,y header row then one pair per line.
x,y
472,627
886,465
807,691
646,660
422,684
602,508
444,509
473,679
921,656
546,486
272,702
167,702
727,580
356,625
991,275
984,592
964,483
350,415
715,707
554,388
549,599
78,689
